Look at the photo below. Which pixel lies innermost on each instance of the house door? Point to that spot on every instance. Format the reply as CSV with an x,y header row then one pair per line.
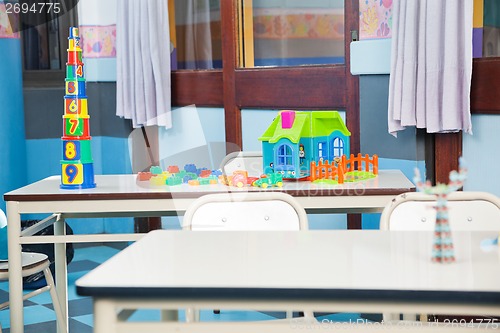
x,y
284,158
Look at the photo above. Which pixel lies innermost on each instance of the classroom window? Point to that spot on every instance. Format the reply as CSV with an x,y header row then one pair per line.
x,y
491,29
307,86
41,45
292,33
197,35
44,32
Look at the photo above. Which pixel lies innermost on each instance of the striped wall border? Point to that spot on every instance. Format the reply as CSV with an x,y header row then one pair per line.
x,y
98,41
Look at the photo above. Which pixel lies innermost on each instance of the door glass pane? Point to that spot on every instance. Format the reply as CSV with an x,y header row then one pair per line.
x,y
40,38
491,29
293,32
197,42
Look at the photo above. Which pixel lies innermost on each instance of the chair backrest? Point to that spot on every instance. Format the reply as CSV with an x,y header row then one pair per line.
x,y
250,161
245,211
3,219
466,211
4,252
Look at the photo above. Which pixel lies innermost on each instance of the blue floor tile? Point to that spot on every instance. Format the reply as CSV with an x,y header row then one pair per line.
x,y
86,319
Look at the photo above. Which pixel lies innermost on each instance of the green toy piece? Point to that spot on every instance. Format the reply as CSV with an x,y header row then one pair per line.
x,y
270,179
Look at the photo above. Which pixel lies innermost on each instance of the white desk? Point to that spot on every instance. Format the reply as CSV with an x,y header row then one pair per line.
x,y
353,271
123,195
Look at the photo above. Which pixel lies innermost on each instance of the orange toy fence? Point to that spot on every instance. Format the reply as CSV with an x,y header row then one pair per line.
x,y
336,171
325,170
356,163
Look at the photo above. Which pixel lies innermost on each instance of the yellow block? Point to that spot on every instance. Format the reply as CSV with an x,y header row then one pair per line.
x,y
74,45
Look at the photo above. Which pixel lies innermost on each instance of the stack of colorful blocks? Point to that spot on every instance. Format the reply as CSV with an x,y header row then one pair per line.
x,y
77,170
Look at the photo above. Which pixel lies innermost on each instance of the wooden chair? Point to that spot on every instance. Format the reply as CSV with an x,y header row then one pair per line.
x,y
478,211
245,211
33,263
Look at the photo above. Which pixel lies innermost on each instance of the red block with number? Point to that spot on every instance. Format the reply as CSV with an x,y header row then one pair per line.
x,y
74,58
76,127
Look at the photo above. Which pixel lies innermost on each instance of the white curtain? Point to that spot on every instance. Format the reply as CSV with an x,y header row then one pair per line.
x,y
431,65
143,62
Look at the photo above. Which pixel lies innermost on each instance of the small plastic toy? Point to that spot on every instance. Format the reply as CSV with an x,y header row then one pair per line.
x,y
143,176
442,250
187,176
173,169
173,176
173,180
216,173
190,168
193,169
77,167
251,180
270,179
156,170
205,173
239,178
210,180
160,179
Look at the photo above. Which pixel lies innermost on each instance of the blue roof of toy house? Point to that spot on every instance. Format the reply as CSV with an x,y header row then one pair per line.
x,y
306,124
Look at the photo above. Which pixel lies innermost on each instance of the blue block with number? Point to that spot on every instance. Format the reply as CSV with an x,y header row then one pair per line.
x,y
77,151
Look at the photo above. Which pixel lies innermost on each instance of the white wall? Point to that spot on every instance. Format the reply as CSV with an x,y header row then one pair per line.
x,y
98,13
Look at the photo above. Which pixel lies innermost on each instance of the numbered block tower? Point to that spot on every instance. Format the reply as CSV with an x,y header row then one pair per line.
x,y
77,169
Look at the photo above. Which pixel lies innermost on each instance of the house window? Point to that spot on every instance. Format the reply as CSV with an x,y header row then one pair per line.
x,y
284,156
338,147
322,153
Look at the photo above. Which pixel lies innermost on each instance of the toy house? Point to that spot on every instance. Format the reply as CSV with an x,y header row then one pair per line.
x,y
296,138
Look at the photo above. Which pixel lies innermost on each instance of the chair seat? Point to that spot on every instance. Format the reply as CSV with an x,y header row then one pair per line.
x,y
32,263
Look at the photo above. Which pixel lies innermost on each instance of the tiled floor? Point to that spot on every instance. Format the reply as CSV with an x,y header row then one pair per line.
x,y
39,317
38,314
